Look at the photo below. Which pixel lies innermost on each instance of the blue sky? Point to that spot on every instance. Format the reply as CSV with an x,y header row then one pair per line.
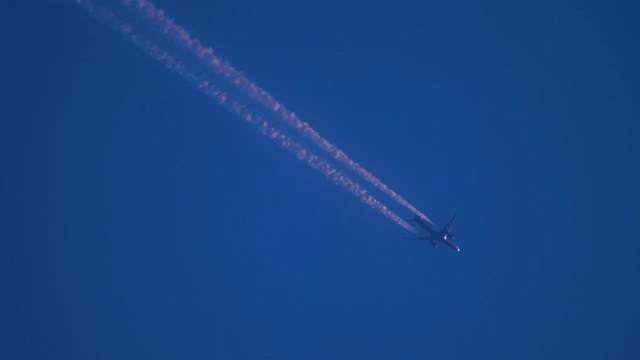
x,y
142,220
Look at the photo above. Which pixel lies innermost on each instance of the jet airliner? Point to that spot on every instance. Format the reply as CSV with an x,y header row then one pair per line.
x,y
444,235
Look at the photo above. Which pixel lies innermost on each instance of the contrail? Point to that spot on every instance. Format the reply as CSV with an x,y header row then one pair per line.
x,y
236,106
239,81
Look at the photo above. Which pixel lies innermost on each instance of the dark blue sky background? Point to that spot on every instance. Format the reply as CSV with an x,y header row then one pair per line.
x,y
142,220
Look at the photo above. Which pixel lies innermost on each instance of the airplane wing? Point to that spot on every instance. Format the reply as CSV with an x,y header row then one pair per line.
x,y
423,224
448,227
418,238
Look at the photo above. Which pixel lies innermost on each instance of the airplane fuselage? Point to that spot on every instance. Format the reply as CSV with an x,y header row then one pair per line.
x,y
443,236
451,245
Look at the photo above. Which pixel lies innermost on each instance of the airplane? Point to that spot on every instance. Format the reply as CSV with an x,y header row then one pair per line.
x,y
443,235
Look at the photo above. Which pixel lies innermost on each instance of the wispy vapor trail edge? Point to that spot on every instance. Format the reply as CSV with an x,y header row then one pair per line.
x,y
241,110
158,17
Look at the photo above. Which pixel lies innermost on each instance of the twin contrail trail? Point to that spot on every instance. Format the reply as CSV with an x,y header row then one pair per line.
x,y
235,103
238,80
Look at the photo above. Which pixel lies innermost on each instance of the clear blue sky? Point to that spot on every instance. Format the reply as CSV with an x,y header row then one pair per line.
x,y
142,220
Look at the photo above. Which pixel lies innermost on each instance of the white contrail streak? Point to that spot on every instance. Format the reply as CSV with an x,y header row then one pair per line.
x,y
239,81
241,110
